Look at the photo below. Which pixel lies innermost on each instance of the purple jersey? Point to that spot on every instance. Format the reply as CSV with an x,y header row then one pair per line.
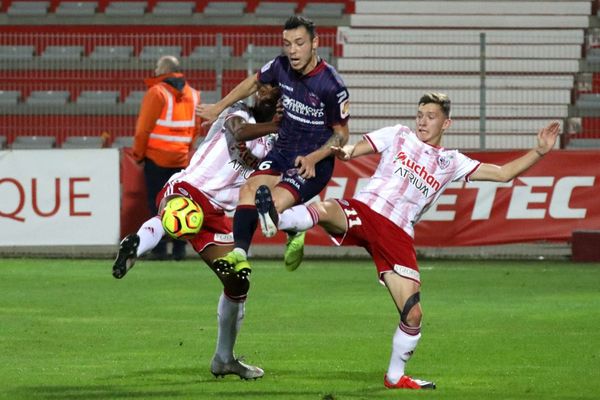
x,y
312,102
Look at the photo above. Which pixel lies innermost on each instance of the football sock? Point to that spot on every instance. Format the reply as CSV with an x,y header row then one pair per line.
x,y
150,234
298,218
245,221
404,343
230,315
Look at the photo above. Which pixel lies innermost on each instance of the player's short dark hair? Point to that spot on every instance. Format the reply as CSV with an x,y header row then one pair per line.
x,y
296,21
440,99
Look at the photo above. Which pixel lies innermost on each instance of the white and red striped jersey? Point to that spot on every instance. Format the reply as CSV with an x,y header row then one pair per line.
x,y
411,175
221,165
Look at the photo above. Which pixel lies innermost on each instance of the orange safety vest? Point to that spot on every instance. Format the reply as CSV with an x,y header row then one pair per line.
x,y
176,127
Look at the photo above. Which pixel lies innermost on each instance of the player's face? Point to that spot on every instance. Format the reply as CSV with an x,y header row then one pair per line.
x,y
300,49
431,123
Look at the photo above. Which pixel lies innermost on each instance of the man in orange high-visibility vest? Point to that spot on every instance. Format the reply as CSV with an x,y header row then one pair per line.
x,y
165,131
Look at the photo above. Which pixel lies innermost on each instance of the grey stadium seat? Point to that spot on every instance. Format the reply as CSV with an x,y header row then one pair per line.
x,y
126,8
9,97
60,53
325,52
593,55
82,142
33,142
135,97
209,97
111,53
153,53
122,141
329,10
76,8
588,100
211,53
225,9
174,8
261,53
98,97
272,9
16,53
28,8
48,98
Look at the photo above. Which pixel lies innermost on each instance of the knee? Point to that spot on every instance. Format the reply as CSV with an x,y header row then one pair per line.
x,y
414,317
247,193
236,284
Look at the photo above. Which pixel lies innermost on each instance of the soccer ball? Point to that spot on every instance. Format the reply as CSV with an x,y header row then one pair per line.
x,y
182,218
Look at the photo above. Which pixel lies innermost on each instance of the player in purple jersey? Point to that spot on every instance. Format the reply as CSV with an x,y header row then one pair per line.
x,y
413,171
316,112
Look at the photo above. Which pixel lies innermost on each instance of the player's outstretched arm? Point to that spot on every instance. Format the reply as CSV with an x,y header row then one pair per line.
x,y
546,138
244,131
210,112
350,151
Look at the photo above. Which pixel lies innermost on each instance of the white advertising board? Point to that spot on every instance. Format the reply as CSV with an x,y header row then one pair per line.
x,y
59,197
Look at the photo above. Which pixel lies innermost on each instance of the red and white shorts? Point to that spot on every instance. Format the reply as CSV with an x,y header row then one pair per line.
x,y
392,249
216,227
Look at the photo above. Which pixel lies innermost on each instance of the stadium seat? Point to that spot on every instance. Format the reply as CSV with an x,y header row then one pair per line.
x,y
82,142
588,100
325,52
135,97
584,143
60,53
273,9
209,97
97,97
47,98
33,142
153,53
126,8
593,55
329,10
28,8
9,97
174,8
76,8
111,53
225,9
16,53
122,141
211,53
261,53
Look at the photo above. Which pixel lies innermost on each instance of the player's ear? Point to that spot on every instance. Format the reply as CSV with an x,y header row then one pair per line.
x,y
447,123
315,42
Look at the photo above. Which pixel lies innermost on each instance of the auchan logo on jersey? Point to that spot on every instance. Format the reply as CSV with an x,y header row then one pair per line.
x,y
418,169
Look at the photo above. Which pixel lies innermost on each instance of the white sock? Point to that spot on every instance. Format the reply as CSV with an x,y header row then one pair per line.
x,y
298,218
150,234
403,346
229,316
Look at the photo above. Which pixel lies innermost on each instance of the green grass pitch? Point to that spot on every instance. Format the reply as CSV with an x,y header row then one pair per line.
x,y
492,330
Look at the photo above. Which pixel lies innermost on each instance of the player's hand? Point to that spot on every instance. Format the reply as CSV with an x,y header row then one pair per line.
x,y
208,112
306,166
278,112
547,137
342,153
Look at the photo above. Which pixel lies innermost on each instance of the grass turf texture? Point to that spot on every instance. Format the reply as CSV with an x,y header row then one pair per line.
x,y
492,330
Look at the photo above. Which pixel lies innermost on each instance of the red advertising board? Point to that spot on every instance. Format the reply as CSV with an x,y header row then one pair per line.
x,y
558,195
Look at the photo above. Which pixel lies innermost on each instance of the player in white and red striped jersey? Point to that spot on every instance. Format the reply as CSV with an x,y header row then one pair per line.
x,y
234,146
412,173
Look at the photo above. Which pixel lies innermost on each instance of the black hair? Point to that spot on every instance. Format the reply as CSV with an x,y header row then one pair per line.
x,y
296,21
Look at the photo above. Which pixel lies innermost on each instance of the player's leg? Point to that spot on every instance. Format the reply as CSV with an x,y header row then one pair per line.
x,y
136,245
405,293
245,221
230,315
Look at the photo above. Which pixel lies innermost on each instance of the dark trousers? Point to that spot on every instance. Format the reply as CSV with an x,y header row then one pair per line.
x,y
156,177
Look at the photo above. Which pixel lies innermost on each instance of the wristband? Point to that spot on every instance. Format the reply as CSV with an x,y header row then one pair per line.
x,y
539,153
